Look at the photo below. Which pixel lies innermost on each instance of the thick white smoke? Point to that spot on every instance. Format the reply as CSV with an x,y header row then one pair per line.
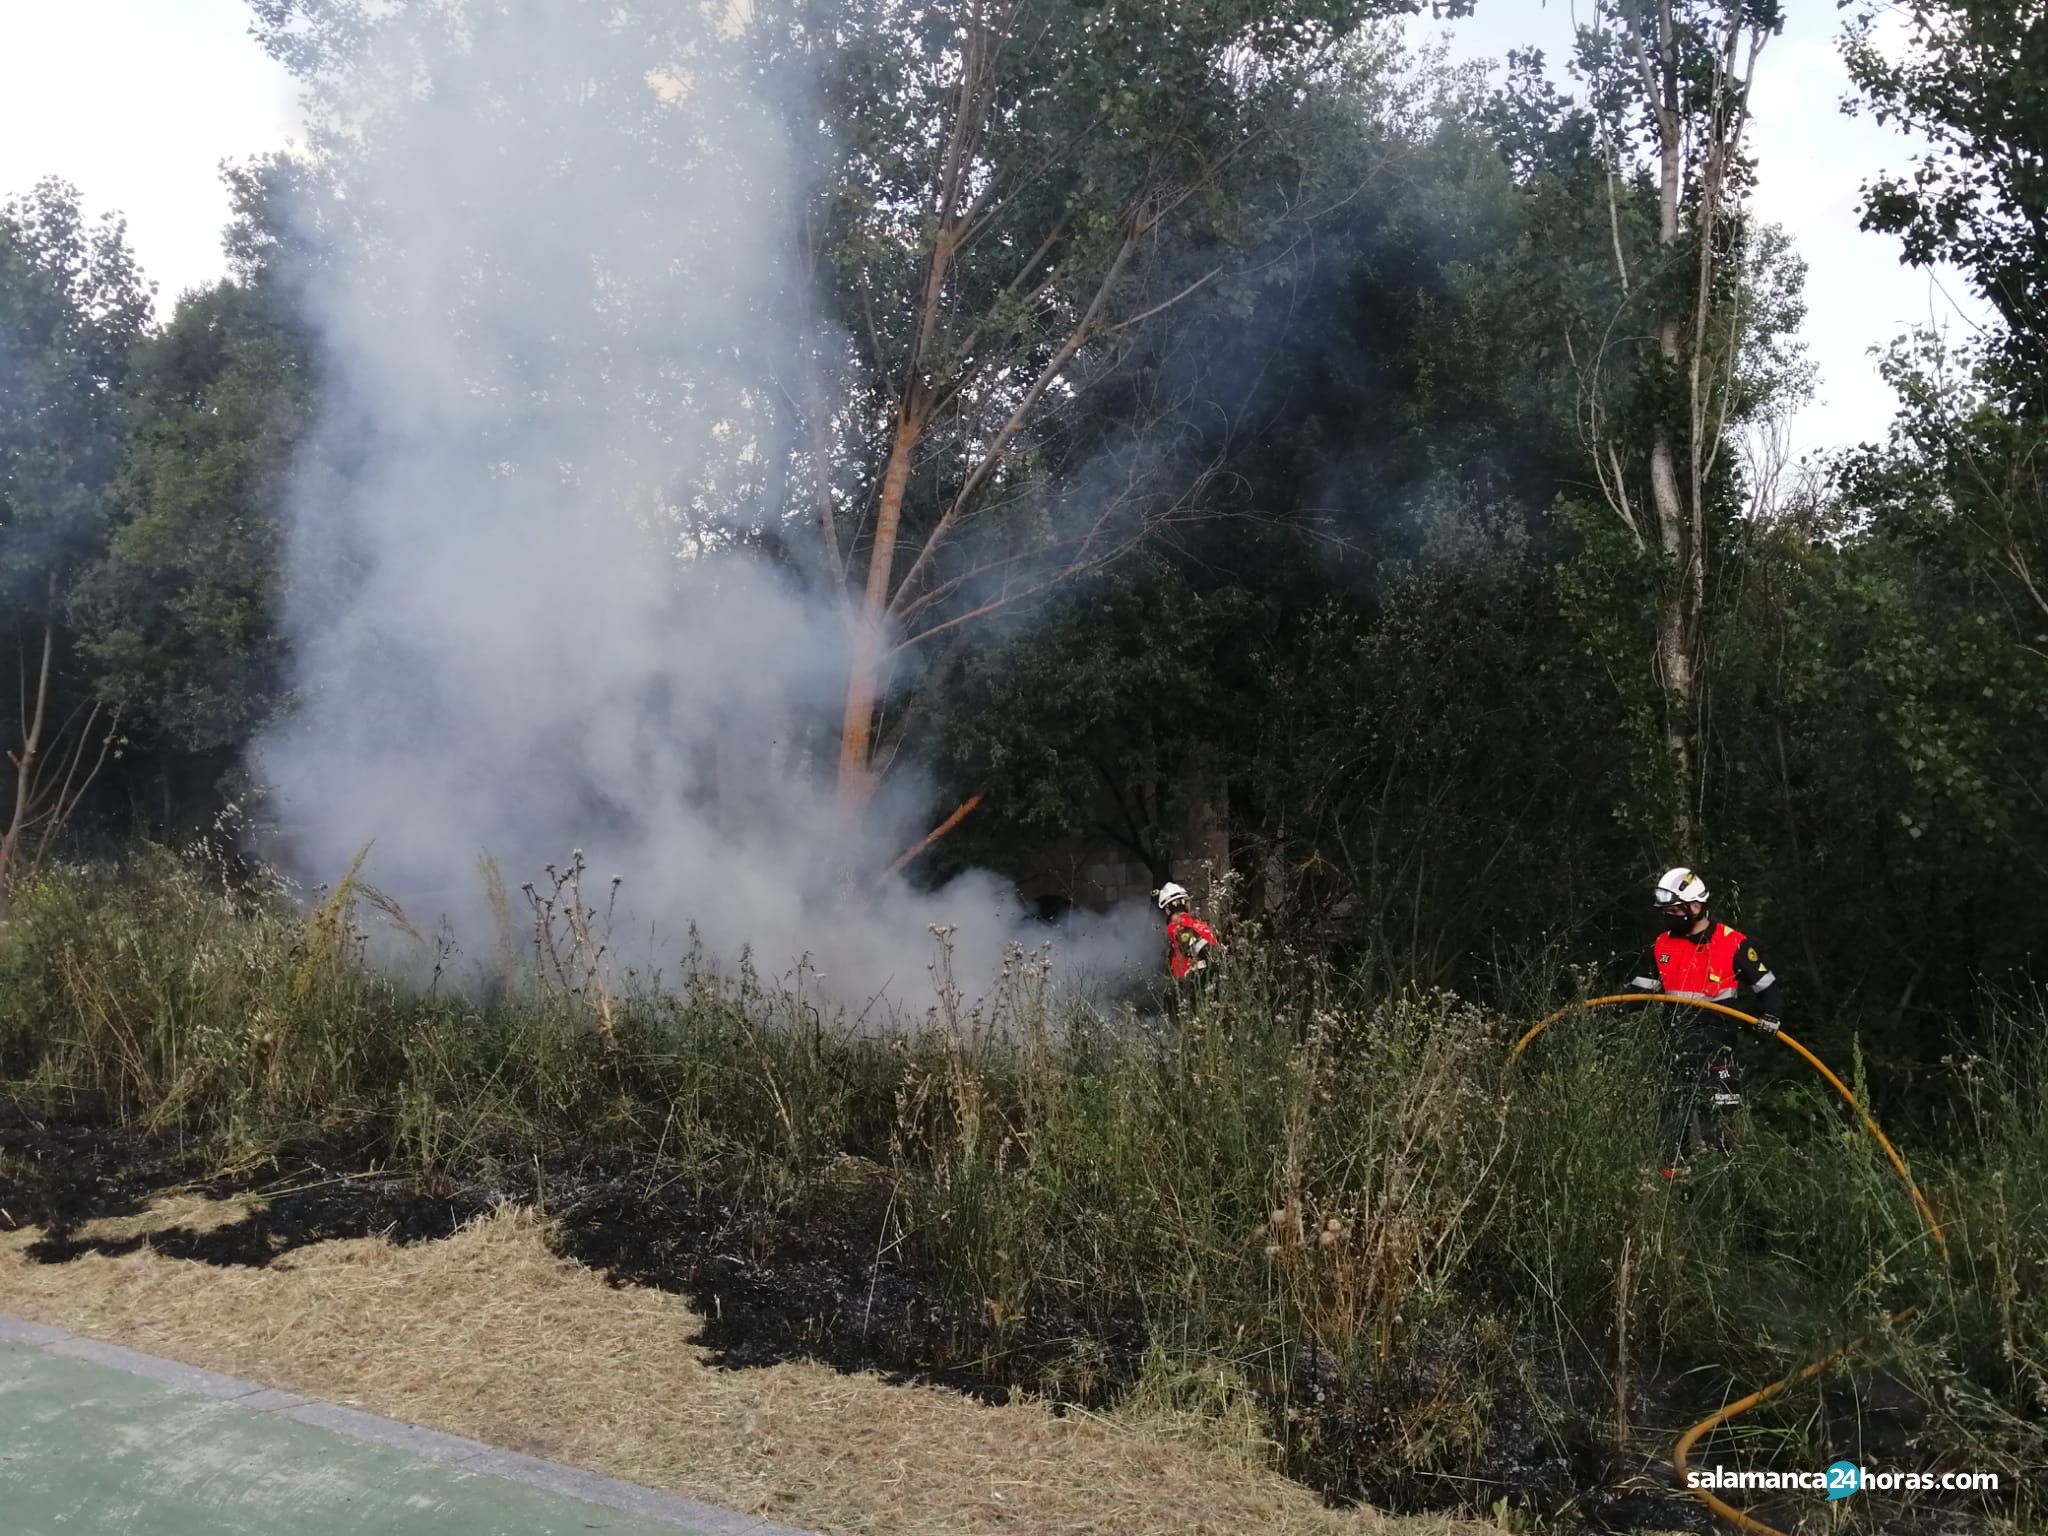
x,y
559,281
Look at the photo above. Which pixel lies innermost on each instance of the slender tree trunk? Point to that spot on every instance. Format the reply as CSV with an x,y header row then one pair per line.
x,y
870,637
1681,698
1678,516
869,641
25,766
1678,613
941,370
1682,442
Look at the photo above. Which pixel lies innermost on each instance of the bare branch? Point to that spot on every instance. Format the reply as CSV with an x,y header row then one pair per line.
x,y
998,449
1164,305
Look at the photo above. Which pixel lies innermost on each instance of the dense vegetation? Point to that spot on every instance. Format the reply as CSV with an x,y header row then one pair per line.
x,y
1341,1222
1358,493
1388,631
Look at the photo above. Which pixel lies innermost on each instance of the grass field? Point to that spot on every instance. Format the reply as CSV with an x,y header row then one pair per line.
x,y
1353,1243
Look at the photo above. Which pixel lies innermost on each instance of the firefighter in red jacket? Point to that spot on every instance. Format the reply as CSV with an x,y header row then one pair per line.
x,y
1698,957
1190,942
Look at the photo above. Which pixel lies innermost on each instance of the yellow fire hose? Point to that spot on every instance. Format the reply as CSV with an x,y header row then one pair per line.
x,y
1683,1448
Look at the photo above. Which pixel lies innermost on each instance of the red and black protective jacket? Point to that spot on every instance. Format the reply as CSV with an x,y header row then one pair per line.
x,y
1713,966
1187,936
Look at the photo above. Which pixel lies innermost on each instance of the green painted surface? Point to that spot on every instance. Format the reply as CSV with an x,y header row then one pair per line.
x,y
89,1451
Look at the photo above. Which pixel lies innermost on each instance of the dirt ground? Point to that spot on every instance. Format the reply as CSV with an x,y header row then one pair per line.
x,y
489,1334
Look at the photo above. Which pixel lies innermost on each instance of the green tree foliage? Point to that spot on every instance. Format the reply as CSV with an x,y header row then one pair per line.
x,y
1307,531
1438,776
1125,713
1002,198
1952,510
1668,82
1966,464
1363,668
1971,77
1955,535
139,474
72,307
1091,169
178,615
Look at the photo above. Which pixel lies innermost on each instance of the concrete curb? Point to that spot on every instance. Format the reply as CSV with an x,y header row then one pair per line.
x,y
427,1444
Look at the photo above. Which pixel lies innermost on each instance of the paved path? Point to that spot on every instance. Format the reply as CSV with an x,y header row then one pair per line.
x,y
101,1441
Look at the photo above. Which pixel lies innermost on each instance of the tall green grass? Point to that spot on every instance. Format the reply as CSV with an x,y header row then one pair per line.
x,y
1344,1217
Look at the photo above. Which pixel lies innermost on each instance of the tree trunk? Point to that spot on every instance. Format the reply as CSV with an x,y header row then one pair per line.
x,y
870,625
1682,442
25,764
1678,517
1675,629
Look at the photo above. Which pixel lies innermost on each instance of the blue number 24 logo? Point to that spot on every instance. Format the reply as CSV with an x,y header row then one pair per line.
x,y
1844,1478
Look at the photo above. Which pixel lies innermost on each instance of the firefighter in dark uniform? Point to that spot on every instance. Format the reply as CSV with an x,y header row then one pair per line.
x,y
1697,957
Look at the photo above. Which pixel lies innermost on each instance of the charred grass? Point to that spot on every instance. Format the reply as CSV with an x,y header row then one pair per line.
x,y
1331,1228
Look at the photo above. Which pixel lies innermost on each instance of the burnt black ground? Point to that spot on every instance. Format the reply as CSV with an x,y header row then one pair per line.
x,y
829,1283
350,1206
825,1283
61,1171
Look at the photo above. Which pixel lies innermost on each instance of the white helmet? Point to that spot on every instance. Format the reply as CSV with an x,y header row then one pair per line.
x,y
1168,894
1676,885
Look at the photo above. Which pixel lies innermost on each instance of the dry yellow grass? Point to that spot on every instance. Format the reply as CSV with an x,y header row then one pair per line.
x,y
492,1336
193,1212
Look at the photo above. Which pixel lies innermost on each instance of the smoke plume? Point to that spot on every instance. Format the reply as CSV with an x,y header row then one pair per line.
x,y
557,289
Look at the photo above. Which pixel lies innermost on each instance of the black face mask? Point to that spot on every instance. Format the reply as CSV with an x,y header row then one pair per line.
x,y
1679,924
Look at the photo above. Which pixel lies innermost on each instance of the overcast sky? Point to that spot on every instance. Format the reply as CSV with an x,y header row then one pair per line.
x,y
139,101
1811,160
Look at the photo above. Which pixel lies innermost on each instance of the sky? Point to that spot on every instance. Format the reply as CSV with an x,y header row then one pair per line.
x,y
1812,159
138,102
